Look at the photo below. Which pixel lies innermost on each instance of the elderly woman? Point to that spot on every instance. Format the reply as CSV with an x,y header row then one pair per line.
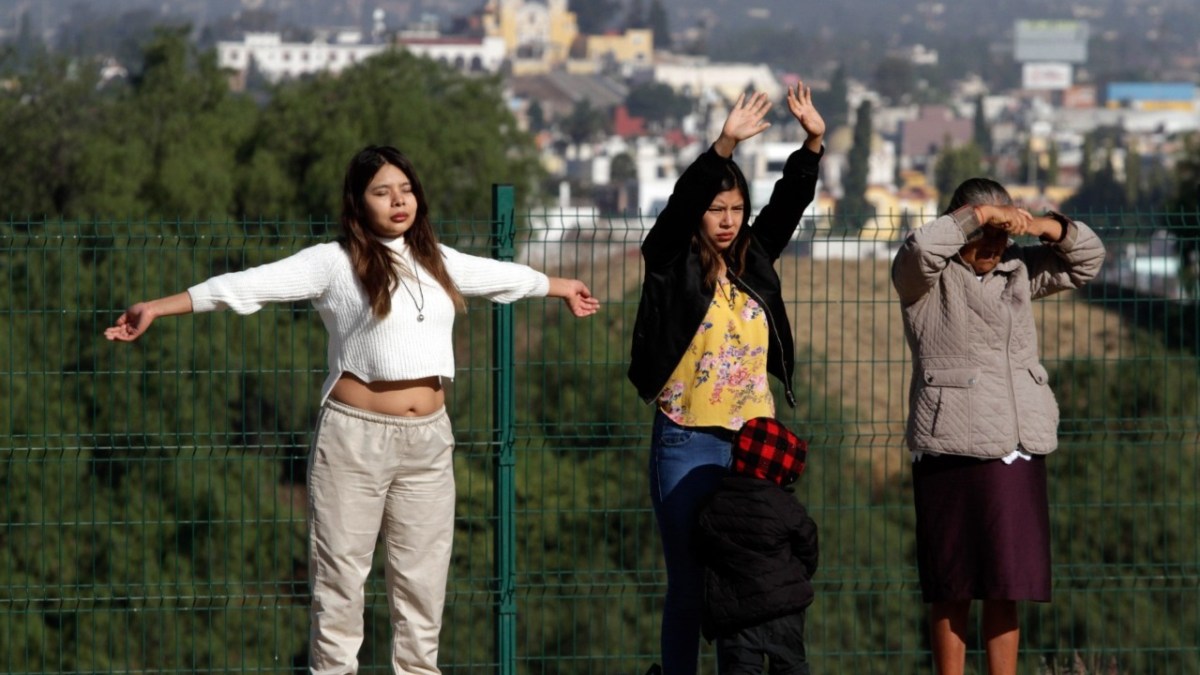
x,y
982,417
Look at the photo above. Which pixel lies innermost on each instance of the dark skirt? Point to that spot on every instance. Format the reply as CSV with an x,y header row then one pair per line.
x,y
983,529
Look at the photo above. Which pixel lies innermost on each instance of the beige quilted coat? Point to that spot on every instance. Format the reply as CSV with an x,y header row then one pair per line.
x,y
978,387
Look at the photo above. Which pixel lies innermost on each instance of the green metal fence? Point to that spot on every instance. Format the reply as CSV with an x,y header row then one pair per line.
x,y
153,493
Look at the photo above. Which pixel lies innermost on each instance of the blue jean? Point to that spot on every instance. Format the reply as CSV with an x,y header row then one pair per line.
x,y
686,465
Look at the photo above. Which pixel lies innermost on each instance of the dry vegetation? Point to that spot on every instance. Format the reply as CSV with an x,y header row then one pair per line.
x,y
849,335
846,312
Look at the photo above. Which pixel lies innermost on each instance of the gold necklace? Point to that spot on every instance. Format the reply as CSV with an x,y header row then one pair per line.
x,y
420,307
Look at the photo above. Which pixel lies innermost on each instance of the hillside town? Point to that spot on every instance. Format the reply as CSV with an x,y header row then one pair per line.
x,y
616,114
1036,133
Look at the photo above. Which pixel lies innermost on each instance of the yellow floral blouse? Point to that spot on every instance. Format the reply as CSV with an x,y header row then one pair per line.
x,y
721,381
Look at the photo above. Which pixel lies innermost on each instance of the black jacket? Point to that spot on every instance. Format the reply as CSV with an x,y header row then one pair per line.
x,y
759,550
674,300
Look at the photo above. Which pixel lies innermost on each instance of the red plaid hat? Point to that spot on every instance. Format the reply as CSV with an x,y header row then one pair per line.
x,y
764,448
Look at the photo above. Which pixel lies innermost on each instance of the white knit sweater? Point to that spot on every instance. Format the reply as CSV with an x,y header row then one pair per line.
x,y
396,347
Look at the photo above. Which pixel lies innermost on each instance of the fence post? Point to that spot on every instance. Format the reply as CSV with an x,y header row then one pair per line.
x,y
504,439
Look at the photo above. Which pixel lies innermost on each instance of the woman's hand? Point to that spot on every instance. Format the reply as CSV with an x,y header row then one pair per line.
x,y
1015,221
576,294
137,319
131,324
801,106
745,120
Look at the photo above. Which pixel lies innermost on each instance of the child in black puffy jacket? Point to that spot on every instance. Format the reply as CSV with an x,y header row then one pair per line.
x,y
759,549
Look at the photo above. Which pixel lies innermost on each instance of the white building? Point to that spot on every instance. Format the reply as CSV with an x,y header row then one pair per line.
x,y
698,77
468,55
278,60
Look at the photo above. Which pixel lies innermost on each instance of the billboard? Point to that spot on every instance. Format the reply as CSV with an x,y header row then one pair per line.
x,y
1046,76
1063,41
1180,96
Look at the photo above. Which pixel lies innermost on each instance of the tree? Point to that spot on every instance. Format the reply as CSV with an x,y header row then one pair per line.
x,y
1184,199
536,116
835,105
624,168
658,23
657,103
953,166
594,16
584,123
1100,190
27,46
49,116
1028,164
853,210
1052,168
457,129
1133,177
896,79
636,15
982,132
187,125
1187,175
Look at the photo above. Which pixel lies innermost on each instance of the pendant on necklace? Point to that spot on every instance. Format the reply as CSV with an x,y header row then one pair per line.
x,y
420,318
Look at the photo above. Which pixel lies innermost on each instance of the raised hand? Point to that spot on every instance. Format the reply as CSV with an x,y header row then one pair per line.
x,y
746,119
800,104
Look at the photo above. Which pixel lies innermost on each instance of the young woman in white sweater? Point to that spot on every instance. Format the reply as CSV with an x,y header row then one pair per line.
x,y
387,292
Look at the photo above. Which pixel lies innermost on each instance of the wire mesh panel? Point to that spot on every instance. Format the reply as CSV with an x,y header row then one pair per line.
x,y
154,500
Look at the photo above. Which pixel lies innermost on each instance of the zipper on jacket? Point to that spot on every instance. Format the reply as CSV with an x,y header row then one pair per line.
x,y
1012,394
787,380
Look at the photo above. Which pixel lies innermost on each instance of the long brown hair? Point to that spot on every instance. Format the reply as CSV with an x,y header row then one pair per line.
x,y
735,255
375,265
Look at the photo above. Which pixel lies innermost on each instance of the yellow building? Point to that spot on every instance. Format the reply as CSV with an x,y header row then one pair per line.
x,y
538,36
543,36
634,46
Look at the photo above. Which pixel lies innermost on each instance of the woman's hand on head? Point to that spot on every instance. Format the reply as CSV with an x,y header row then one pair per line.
x,y
801,106
1015,221
746,119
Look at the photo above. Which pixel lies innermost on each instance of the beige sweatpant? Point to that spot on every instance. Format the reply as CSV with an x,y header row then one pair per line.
x,y
367,474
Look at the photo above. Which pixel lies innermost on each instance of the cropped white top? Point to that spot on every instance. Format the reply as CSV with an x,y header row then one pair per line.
x,y
396,347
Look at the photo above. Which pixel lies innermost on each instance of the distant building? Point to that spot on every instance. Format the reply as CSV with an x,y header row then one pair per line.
x,y
558,92
464,54
536,35
277,60
697,77
1055,41
634,47
542,36
1151,96
922,139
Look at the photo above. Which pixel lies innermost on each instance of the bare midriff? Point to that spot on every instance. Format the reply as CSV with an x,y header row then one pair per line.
x,y
403,398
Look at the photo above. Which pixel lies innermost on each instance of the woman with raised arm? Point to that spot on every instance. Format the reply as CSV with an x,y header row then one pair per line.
x,y
982,417
711,324
380,462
